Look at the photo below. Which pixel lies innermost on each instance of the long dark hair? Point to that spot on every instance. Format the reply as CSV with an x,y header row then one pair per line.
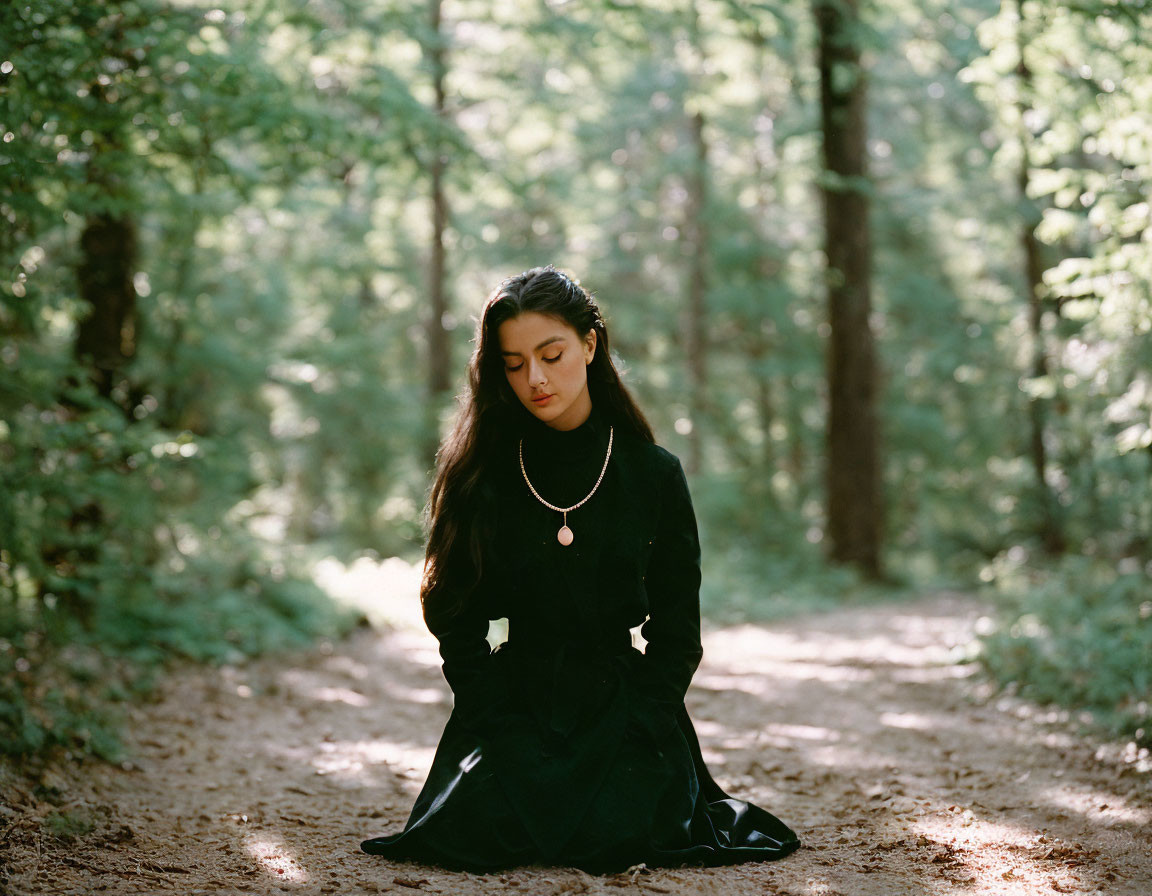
x,y
489,417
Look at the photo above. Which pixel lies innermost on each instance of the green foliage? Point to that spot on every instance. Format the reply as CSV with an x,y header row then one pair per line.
x,y
1079,635
61,682
763,562
1079,124
126,534
745,585
69,825
274,161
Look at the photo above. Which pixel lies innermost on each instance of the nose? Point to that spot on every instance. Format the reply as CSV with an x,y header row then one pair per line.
x,y
536,377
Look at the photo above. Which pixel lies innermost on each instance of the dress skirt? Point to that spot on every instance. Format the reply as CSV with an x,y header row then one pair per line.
x,y
620,783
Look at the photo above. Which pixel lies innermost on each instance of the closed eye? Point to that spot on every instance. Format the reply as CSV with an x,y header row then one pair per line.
x,y
512,369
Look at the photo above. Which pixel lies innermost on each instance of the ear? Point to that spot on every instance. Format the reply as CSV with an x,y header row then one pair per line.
x,y
589,347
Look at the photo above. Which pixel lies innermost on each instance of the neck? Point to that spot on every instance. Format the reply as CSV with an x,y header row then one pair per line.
x,y
574,416
589,436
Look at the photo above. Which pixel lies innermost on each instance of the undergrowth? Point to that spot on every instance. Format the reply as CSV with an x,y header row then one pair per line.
x,y
1075,634
1078,635
740,588
65,682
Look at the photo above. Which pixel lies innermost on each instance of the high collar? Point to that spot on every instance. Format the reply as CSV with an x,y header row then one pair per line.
x,y
589,437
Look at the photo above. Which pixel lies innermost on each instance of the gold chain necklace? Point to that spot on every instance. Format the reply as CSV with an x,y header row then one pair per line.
x,y
565,536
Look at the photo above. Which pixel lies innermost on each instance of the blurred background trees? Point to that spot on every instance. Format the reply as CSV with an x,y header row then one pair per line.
x,y
243,246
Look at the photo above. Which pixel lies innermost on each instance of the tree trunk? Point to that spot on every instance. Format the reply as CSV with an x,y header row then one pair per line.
x,y
855,513
765,406
696,245
105,339
762,337
798,460
106,336
1051,532
439,346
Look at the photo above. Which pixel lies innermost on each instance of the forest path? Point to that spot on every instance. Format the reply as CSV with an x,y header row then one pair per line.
x,y
864,729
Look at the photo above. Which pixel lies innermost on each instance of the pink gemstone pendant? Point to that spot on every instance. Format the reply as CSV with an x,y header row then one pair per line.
x,y
564,536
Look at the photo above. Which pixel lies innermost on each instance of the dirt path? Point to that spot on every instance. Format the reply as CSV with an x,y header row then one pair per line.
x,y
864,729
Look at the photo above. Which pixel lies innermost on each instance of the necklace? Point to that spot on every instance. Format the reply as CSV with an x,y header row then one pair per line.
x,y
565,536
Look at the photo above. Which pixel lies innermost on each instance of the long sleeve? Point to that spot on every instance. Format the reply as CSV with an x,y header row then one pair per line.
x,y
468,666
672,582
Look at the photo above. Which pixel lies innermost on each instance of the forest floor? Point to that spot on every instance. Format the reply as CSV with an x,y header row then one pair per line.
x,y
866,729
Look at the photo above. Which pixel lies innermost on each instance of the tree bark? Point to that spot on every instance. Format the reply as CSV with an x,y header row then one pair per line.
x,y
106,336
762,337
854,502
1050,529
439,346
696,245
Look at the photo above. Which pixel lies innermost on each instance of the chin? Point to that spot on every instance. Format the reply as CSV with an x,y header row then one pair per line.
x,y
544,414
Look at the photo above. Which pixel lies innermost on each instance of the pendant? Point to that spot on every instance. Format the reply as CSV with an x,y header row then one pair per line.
x,y
564,536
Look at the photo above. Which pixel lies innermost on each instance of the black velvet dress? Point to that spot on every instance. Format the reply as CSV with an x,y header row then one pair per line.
x,y
567,745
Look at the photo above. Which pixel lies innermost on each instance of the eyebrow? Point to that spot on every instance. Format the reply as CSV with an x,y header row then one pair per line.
x,y
548,341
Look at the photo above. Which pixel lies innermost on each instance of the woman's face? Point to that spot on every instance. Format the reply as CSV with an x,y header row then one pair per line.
x,y
546,362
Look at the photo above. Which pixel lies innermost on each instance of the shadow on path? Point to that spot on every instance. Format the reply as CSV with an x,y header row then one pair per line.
x,y
864,729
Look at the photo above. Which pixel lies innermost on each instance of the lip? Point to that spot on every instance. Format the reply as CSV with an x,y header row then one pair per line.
x,y
543,399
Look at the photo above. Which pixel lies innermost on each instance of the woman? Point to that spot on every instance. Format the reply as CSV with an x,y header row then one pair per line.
x,y
553,507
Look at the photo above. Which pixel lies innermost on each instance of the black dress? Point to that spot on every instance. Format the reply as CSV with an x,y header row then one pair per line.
x,y
566,745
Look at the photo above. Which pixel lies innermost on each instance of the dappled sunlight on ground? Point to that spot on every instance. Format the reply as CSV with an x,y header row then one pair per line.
x,y
339,695
913,720
417,695
802,733
276,858
386,591
1001,860
1097,804
865,730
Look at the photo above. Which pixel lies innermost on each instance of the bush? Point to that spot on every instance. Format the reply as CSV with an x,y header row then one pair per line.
x,y
65,686
1078,635
118,554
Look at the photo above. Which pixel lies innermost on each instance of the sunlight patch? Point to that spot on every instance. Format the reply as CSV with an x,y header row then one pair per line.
x,y
1096,804
418,648
909,642
386,591
353,760
909,720
351,757
425,696
339,695
991,859
933,674
707,728
275,858
803,732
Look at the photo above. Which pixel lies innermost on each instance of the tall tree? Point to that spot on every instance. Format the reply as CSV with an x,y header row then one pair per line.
x,y
440,374
854,503
696,247
1051,533
108,257
696,244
